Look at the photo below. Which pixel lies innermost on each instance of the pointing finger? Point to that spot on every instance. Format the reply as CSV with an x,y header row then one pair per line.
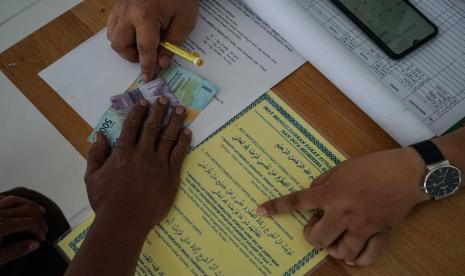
x,y
148,38
304,200
112,22
179,29
123,40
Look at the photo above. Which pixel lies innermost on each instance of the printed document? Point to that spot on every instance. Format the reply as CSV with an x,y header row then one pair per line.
x,y
243,56
263,152
412,99
431,81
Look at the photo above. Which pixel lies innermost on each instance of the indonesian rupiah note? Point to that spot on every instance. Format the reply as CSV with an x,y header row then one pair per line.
x,y
180,86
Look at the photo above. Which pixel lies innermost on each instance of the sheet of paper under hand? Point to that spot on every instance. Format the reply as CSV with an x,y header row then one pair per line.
x,y
180,86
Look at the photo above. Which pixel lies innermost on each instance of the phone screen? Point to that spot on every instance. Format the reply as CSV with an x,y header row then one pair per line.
x,y
394,23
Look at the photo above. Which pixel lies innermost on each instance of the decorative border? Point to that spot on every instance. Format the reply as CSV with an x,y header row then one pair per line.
x,y
74,243
301,263
232,120
304,131
286,115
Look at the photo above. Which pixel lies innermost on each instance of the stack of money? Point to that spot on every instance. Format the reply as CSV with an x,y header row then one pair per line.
x,y
179,85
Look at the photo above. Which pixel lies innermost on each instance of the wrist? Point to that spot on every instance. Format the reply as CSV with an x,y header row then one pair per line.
x,y
452,146
418,171
115,224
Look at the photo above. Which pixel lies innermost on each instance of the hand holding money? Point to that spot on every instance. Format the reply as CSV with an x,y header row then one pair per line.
x,y
135,26
139,179
132,188
178,85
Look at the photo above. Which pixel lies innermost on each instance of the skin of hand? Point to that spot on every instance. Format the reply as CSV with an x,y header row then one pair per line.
x,y
19,215
135,28
131,188
363,198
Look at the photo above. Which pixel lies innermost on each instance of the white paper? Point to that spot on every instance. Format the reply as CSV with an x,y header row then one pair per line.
x,y
242,56
431,80
341,67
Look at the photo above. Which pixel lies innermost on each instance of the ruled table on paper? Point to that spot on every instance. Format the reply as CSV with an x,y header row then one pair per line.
x,y
431,80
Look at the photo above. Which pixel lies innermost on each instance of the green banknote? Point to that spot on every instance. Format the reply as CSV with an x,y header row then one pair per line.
x,y
110,125
179,85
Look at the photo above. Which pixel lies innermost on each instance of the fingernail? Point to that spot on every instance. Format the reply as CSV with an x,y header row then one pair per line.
x,y
187,131
179,110
96,137
42,209
145,78
164,62
350,263
143,102
33,246
261,211
163,100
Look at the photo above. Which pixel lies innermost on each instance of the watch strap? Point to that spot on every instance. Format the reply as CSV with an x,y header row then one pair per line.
x,y
429,152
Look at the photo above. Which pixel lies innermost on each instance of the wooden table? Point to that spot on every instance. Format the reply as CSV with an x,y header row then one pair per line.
x,y
430,242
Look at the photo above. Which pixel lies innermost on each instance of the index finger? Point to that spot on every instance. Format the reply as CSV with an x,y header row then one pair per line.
x,y
148,38
180,28
14,201
304,200
131,127
18,225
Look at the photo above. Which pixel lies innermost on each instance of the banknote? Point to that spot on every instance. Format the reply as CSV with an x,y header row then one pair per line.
x,y
151,91
179,85
186,88
110,125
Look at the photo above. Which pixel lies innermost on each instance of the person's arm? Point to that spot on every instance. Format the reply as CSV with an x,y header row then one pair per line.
x,y
136,27
131,189
363,198
453,147
111,247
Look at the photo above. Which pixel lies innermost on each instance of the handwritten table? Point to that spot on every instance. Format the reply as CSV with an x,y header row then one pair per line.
x,y
430,242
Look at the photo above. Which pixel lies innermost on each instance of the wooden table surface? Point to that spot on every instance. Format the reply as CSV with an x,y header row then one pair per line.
x,y
430,242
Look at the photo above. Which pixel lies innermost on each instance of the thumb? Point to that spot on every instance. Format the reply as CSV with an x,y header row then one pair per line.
x,y
98,153
17,250
180,27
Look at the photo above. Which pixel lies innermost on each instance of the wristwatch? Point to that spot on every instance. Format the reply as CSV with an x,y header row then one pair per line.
x,y
442,179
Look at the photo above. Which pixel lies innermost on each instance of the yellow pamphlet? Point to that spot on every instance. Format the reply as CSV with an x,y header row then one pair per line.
x,y
264,152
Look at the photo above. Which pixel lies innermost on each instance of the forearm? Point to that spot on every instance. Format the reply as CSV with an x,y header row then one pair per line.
x,y
453,147
110,248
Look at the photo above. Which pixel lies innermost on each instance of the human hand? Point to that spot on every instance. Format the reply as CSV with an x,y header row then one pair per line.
x,y
19,216
135,27
362,199
136,184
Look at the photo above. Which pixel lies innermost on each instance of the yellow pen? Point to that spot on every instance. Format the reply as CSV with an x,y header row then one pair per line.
x,y
191,57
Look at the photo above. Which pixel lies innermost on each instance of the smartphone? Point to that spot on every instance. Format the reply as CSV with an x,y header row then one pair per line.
x,y
396,26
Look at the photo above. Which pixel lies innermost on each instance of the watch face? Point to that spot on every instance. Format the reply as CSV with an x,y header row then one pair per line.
x,y
443,181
